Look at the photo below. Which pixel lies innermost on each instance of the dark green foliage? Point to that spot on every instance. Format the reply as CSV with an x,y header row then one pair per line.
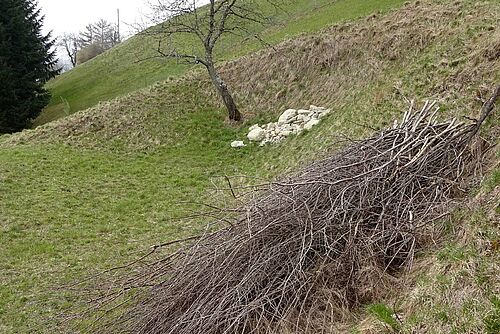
x,y
26,64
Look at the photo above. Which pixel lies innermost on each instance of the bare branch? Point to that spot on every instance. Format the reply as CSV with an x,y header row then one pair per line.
x,y
70,44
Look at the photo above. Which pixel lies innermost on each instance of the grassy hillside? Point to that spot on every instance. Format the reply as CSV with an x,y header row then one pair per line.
x,y
120,70
89,190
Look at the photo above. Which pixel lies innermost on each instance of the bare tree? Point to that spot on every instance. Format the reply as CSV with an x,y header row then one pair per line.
x,y
105,34
208,24
70,44
86,36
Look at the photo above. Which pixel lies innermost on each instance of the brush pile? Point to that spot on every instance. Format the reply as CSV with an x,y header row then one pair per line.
x,y
315,244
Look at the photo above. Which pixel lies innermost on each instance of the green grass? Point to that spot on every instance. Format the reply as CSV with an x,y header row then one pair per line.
x,y
73,204
119,70
458,292
384,314
67,211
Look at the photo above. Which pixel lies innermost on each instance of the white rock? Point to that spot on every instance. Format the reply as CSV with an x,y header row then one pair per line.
x,y
237,143
257,134
304,112
291,122
315,116
298,128
316,109
286,115
309,125
271,126
324,113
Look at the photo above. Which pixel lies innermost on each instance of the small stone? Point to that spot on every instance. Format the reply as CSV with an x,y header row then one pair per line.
x,y
324,113
286,133
316,109
286,115
315,116
313,122
257,134
237,143
298,128
253,127
304,112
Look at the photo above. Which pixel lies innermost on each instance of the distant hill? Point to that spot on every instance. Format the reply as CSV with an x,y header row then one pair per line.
x,y
120,71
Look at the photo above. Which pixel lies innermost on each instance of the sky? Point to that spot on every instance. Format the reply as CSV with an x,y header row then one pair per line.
x,y
67,16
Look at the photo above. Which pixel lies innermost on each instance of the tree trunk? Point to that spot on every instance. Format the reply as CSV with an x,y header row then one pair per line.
x,y
225,94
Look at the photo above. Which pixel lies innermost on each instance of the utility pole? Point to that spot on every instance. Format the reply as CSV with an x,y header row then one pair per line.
x,y
118,25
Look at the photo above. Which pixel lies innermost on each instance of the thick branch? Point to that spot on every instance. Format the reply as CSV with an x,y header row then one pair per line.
x,y
487,109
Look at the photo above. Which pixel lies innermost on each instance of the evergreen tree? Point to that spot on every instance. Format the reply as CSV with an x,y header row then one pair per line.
x,y
26,64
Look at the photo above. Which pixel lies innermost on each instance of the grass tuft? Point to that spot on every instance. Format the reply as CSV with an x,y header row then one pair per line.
x,y
384,314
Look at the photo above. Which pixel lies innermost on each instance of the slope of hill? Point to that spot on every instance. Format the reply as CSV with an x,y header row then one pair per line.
x,y
86,191
120,70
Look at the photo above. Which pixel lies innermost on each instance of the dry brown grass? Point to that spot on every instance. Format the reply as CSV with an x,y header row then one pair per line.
x,y
328,68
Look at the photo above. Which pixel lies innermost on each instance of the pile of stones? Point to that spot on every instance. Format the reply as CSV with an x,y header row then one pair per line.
x,y
291,122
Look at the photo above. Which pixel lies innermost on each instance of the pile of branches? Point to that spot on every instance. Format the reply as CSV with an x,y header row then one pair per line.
x,y
313,245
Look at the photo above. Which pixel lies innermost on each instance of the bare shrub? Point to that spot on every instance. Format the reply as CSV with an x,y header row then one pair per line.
x,y
88,52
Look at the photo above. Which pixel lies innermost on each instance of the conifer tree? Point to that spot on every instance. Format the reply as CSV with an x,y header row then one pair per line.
x,y
27,62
